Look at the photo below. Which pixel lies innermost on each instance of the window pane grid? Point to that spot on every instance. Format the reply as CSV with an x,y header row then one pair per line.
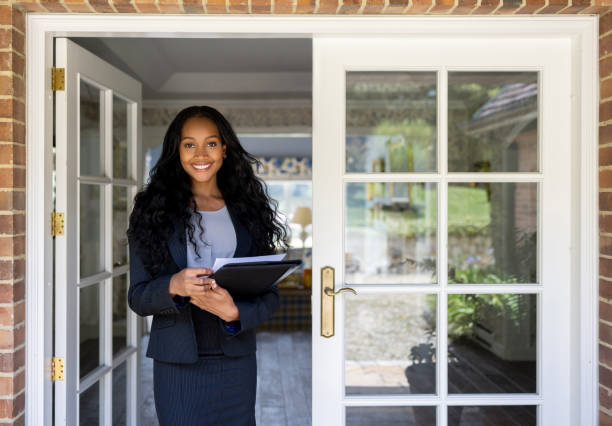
x,y
443,289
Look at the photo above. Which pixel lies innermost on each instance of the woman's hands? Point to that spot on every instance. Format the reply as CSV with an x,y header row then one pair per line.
x,y
187,283
217,301
204,293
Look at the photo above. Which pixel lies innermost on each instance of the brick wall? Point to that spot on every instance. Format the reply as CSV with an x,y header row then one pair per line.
x,y
12,143
12,215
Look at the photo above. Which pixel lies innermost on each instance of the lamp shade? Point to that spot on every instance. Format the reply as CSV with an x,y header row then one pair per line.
x,y
302,216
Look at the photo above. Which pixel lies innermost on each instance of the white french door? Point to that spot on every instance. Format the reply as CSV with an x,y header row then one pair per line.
x,y
441,184
96,162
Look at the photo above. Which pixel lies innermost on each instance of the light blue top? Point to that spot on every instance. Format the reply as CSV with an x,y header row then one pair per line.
x,y
220,235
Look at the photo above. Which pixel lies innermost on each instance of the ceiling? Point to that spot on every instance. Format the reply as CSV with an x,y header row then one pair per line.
x,y
224,69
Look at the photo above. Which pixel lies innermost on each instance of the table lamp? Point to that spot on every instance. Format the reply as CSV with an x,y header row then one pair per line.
x,y
303,217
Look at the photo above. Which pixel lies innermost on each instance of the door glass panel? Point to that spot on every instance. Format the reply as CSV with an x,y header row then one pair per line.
x,y
388,416
119,313
492,121
89,328
390,344
91,230
91,145
390,233
120,138
391,121
120,224
120,394
492,343
524,415
89,406
492,234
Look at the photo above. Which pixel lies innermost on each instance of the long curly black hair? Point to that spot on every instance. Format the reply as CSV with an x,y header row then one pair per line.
x,y
168,196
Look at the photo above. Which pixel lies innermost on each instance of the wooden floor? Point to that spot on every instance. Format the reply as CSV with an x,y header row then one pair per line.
x,y
283,380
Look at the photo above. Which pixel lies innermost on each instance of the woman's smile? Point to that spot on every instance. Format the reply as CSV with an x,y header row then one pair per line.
x,y
201,166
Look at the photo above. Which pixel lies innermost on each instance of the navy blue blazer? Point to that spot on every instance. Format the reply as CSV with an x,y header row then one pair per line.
x,y
173,336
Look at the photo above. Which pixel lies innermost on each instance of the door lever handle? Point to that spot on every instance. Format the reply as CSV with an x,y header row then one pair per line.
x,y
330,291
327,300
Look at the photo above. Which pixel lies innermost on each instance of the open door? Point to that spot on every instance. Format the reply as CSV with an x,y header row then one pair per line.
x,y
97,163
442,197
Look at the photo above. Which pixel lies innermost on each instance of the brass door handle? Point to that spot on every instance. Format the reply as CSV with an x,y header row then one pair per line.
x,y
327,300
330,291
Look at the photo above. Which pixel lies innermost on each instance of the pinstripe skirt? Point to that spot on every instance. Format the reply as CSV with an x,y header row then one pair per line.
x,y
212,391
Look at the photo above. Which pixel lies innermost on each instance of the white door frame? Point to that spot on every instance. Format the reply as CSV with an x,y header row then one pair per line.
x,y
580,31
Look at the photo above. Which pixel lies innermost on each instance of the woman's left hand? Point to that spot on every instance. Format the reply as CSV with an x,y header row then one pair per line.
x,y
217,301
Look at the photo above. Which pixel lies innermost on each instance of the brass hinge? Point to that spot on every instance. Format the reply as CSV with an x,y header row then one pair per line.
x,y
57,368
57,78
57,223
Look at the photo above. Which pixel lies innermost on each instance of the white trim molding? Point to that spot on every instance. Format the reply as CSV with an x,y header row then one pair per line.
x,y
581,31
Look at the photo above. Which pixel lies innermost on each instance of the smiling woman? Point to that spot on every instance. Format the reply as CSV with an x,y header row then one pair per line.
x,y
202,341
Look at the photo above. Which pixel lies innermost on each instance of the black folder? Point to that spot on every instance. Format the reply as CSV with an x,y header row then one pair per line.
x,y
250,279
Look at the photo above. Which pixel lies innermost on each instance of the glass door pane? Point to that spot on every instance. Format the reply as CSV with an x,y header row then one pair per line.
x,y
391,121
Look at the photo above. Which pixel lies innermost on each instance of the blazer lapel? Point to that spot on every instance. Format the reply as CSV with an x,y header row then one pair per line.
x,y
178,251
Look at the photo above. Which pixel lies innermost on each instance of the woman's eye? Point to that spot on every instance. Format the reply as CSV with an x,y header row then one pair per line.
x,y
212,143
188,145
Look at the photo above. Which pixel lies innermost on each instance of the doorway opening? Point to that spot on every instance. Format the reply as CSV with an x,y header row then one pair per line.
x,y
264,88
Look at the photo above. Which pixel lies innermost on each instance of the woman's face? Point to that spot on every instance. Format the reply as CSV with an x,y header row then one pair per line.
x,y
201,150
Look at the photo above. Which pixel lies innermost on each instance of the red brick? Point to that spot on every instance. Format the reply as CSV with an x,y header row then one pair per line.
x,y
283,6
373,7
10,362
349,7
442,6
262,6
12,132
531,6
12,108
10,339
554,6
605,45
11,407
605,398
6,12
12,200
124,6
605,111
328,6
605,179
169,6
605,311
19,19
605,356
101,6
193,6
418,6
146,6
605,245
238,6
11,246
305,6
487,6
605,223
605,377
12,269
508,7
605,287
78,6
53,6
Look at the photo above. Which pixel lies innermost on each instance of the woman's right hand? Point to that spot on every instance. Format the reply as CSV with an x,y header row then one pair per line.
x,y
187,283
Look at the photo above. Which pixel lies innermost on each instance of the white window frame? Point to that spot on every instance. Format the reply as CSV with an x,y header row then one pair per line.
x,y
580,31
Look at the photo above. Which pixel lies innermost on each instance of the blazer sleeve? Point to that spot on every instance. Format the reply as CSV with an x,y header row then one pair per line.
x,y
147,296
255,311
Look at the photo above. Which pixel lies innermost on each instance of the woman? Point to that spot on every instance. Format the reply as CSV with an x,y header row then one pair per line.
x,y
202,201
